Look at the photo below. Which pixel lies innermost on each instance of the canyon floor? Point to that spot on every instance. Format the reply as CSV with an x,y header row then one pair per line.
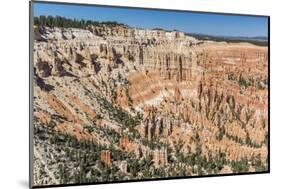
x,y
114,103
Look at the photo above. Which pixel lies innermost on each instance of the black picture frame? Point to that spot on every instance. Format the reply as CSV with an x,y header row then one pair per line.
x,y
31,43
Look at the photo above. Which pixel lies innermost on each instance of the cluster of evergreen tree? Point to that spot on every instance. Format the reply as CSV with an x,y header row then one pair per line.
x,y
228,39
59,21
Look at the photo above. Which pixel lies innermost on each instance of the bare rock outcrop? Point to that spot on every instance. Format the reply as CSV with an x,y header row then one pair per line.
x,y
157,97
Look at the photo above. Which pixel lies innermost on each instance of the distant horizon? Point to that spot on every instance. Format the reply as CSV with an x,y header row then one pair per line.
x,y
188,22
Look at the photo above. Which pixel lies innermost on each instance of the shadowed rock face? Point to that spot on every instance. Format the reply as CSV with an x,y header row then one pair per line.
x,y
161,103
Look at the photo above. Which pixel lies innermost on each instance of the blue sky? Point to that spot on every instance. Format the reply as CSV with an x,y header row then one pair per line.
x,y
212,24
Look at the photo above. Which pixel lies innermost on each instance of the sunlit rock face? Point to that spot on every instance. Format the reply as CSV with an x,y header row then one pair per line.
x,y
147,104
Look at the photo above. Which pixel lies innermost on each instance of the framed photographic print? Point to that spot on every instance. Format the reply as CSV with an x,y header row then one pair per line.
x,y
123,94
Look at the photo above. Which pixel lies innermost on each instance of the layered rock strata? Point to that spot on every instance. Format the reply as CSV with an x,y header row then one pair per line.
x,y
147,97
